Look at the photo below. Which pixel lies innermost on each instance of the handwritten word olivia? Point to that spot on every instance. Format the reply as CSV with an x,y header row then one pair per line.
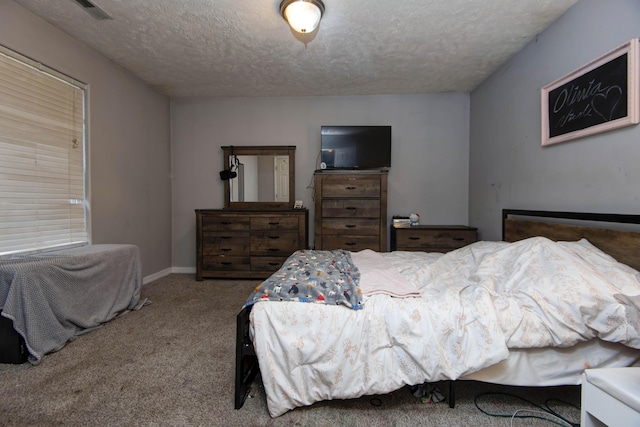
x,y
575,96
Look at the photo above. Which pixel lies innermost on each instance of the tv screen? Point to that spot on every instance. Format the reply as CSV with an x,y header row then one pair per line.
x,y
356,147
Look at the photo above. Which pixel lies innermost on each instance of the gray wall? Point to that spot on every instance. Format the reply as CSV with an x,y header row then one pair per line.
x,y
508,166
429,166
130,163
456,158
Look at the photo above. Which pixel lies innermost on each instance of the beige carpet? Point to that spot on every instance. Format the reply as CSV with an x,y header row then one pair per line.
x,y
172,364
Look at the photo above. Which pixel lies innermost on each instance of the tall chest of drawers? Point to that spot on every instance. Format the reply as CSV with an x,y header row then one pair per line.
x,y
351,210
247,244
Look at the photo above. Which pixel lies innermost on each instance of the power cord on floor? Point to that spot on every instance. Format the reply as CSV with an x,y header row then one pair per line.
x,y
543,415
546,410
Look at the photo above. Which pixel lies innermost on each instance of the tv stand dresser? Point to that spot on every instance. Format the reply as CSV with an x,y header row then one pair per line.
x,y
351,210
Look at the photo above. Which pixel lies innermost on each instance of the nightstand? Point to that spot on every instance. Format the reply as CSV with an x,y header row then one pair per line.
x,y
431,238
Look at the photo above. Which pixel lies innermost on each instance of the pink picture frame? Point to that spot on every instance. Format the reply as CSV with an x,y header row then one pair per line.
x,y
598,97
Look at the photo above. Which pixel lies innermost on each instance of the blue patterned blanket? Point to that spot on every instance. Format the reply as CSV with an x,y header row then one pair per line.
x,y
328,277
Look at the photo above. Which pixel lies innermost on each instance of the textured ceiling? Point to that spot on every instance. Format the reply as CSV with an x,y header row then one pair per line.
x,y
245,48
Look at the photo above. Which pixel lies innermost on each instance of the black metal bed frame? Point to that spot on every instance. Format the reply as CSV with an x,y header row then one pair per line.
x,y
246,361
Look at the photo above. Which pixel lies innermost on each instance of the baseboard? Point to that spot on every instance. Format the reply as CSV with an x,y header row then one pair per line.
x,y
156,276
166,272
183,270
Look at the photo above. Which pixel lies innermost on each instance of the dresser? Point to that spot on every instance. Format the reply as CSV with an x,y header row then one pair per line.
x,y
247,244
431,238
351,210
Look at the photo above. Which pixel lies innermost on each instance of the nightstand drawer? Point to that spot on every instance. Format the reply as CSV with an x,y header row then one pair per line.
x,y
431,238
345,186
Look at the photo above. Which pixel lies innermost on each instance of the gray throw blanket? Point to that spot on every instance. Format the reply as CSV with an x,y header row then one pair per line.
x,y
52,297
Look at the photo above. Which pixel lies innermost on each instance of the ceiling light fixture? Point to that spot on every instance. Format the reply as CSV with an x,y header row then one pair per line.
x,y
302,15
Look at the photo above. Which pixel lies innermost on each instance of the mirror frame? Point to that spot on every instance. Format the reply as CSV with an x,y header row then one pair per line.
x,y
256,150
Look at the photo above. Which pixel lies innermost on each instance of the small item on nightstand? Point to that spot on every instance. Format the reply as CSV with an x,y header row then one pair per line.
x,y
399,219
414,218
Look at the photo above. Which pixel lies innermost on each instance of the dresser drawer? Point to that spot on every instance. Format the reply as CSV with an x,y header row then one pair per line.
x,y
342,226
226,263
225,222
350,186
225,243
267,263
347,208
351,243
275,223
270,243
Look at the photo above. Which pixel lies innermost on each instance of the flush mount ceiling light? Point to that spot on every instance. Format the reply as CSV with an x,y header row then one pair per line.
x,y
303,15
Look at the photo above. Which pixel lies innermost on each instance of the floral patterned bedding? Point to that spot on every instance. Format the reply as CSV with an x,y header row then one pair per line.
x,y
477,304
327,277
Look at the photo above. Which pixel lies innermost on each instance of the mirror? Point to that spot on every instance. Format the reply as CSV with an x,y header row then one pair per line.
x,y
262,177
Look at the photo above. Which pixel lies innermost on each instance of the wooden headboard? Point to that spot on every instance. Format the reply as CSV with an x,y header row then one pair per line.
x,y
623,245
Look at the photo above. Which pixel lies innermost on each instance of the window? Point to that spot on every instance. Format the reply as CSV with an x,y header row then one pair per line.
x,y
42,157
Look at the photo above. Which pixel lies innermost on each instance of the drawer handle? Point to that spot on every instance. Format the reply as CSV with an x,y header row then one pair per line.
x,y
414,238
274,264
273,249
350,188
351,208
225,237
225,222
274,223
350,243
225,249
350,226
226,263
274,237
458,238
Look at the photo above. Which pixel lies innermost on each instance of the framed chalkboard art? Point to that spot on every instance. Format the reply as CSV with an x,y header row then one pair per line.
x,y
598,97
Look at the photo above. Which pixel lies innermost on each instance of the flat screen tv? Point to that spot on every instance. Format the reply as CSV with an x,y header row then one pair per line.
x,y
355,147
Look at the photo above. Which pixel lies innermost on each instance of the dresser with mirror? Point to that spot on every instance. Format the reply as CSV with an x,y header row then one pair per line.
x,y
258,228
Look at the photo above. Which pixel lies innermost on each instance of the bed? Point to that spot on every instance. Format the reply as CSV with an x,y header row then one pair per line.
x,y
49,298
534,310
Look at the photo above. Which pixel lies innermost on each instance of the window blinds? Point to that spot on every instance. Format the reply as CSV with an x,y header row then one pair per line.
x,y
42,143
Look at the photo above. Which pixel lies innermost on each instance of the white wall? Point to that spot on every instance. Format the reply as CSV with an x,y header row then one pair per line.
x,y
129,147
429,166
508,166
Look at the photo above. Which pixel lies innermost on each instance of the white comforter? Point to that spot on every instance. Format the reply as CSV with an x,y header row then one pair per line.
x,y
475,304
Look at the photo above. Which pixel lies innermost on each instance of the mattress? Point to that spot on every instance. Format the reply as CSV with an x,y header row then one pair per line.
x,y
552,366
